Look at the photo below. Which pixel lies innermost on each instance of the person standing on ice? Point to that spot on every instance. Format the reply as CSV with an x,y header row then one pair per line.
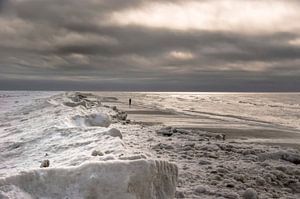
x,y
129,102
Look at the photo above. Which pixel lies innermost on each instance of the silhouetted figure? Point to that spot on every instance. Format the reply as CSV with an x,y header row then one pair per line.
x,y
129,101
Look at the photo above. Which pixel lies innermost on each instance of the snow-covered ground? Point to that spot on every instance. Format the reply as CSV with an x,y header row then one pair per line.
x,y
80,141
93,150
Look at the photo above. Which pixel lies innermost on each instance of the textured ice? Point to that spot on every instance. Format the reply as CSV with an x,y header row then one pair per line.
x,y
47,129
99,119
141,179
210,166
72,136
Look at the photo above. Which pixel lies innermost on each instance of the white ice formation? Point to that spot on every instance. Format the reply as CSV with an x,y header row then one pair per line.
x,y
140,179
87,156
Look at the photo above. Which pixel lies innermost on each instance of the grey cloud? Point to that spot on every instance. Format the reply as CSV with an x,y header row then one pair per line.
x,y
47,41
3,4
150,40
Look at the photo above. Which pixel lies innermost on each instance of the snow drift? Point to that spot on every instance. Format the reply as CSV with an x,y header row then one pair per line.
x,y
99,119
140,179
84,151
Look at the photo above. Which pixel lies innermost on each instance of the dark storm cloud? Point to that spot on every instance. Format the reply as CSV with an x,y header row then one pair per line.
x,y
3,3
144,41
74,42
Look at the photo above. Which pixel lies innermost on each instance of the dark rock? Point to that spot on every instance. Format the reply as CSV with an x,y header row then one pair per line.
x,y
214,182
294,158
230,185
97,153
121,115
114,108
45,163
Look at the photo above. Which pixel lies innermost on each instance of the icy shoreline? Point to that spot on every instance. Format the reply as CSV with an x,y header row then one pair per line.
x,y
80,141
78,133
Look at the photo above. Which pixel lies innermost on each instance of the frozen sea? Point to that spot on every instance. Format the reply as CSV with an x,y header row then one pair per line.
x,y
276,109
271,116
244,111
273,109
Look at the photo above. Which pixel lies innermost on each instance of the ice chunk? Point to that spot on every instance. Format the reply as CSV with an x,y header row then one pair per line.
x,y
102,180
114,133
99,119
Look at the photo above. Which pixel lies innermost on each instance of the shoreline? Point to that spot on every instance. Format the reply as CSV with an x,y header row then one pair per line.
x,y
81,129
210,167
268,135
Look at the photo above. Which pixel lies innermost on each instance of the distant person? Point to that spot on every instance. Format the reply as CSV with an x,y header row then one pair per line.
x,y
129,102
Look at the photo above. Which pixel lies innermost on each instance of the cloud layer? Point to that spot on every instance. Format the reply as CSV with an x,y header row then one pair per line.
x,y
150,45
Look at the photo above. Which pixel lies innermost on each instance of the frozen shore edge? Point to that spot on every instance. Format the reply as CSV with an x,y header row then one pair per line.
x,y
66,132
99,175
112,179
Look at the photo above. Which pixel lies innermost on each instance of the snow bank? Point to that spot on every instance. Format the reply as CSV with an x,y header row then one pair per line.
x,y
141,179
68,134
86,100
98,119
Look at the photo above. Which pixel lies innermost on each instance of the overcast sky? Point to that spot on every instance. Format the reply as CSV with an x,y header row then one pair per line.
x,y
150,45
